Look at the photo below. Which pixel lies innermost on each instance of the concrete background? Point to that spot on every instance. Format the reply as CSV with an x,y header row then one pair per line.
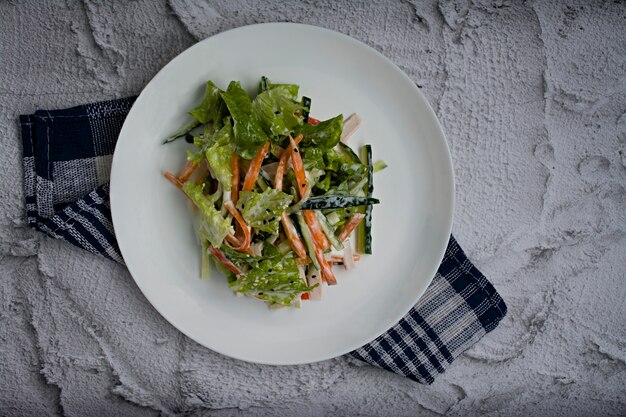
x,y
532,98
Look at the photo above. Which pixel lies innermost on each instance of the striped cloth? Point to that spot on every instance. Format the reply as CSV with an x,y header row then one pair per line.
x,y
67,162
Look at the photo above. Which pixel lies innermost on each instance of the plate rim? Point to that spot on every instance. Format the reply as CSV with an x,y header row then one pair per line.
x,y
450,172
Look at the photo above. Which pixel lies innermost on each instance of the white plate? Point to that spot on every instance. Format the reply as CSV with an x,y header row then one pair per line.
x,y
411,225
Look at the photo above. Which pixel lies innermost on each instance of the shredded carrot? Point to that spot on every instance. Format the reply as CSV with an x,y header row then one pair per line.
x,y
325,266
172,178
305,296
219,255
354,221
234,165
303,261
282,164
245,241
292,235
255,167
187,171
298,167
316,230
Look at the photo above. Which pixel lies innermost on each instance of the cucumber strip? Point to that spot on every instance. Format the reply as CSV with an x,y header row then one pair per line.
x,y
205,265
318,203
379,166
306,104
367,221
328,231
333,218
308,239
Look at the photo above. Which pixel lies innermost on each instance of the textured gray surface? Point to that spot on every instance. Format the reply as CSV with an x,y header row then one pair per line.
x,y
532,98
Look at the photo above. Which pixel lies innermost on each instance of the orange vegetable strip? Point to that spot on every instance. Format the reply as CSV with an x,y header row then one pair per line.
x,y
303,261
316,230
187,171
292,235
305,296
282,164
326,267
255,167
245,242
234,165
219,255
172,178
354,221
298,167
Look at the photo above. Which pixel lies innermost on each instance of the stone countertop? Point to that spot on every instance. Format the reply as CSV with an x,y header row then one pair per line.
x,y
532,97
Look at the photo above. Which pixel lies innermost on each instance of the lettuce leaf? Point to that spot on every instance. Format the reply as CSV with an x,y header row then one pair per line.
x,y
262,210
219,157
276,111
266,84
211,108
249,136
323,135
213,227
275,280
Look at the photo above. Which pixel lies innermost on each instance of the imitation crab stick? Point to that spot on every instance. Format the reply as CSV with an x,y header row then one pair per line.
x,y
219,255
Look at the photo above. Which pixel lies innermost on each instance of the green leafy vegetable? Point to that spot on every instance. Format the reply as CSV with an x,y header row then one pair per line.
x,y
323,135
277,111
211,108
213,227
249,135
275,280
262,210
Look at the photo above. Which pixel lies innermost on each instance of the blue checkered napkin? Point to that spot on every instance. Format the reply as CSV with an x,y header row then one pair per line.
x,y
459,307
67,161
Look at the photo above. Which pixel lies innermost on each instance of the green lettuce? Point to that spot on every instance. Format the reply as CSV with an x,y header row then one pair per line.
x,y
211,108
275,280
277,111
249,136
266,84
262,210
219,158
323,135
213,227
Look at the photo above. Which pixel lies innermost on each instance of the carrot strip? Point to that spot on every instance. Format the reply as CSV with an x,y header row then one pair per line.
x,y
234,165
245,242
326,267
316,230
187,171
172,178
219,255
255,167
303,261
305,296
292,235
282,164
298,167
354,221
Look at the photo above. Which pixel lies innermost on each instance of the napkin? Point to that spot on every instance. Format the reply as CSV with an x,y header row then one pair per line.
x,y
67,161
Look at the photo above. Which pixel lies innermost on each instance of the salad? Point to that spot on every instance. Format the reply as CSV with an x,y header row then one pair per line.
x,y
278,194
